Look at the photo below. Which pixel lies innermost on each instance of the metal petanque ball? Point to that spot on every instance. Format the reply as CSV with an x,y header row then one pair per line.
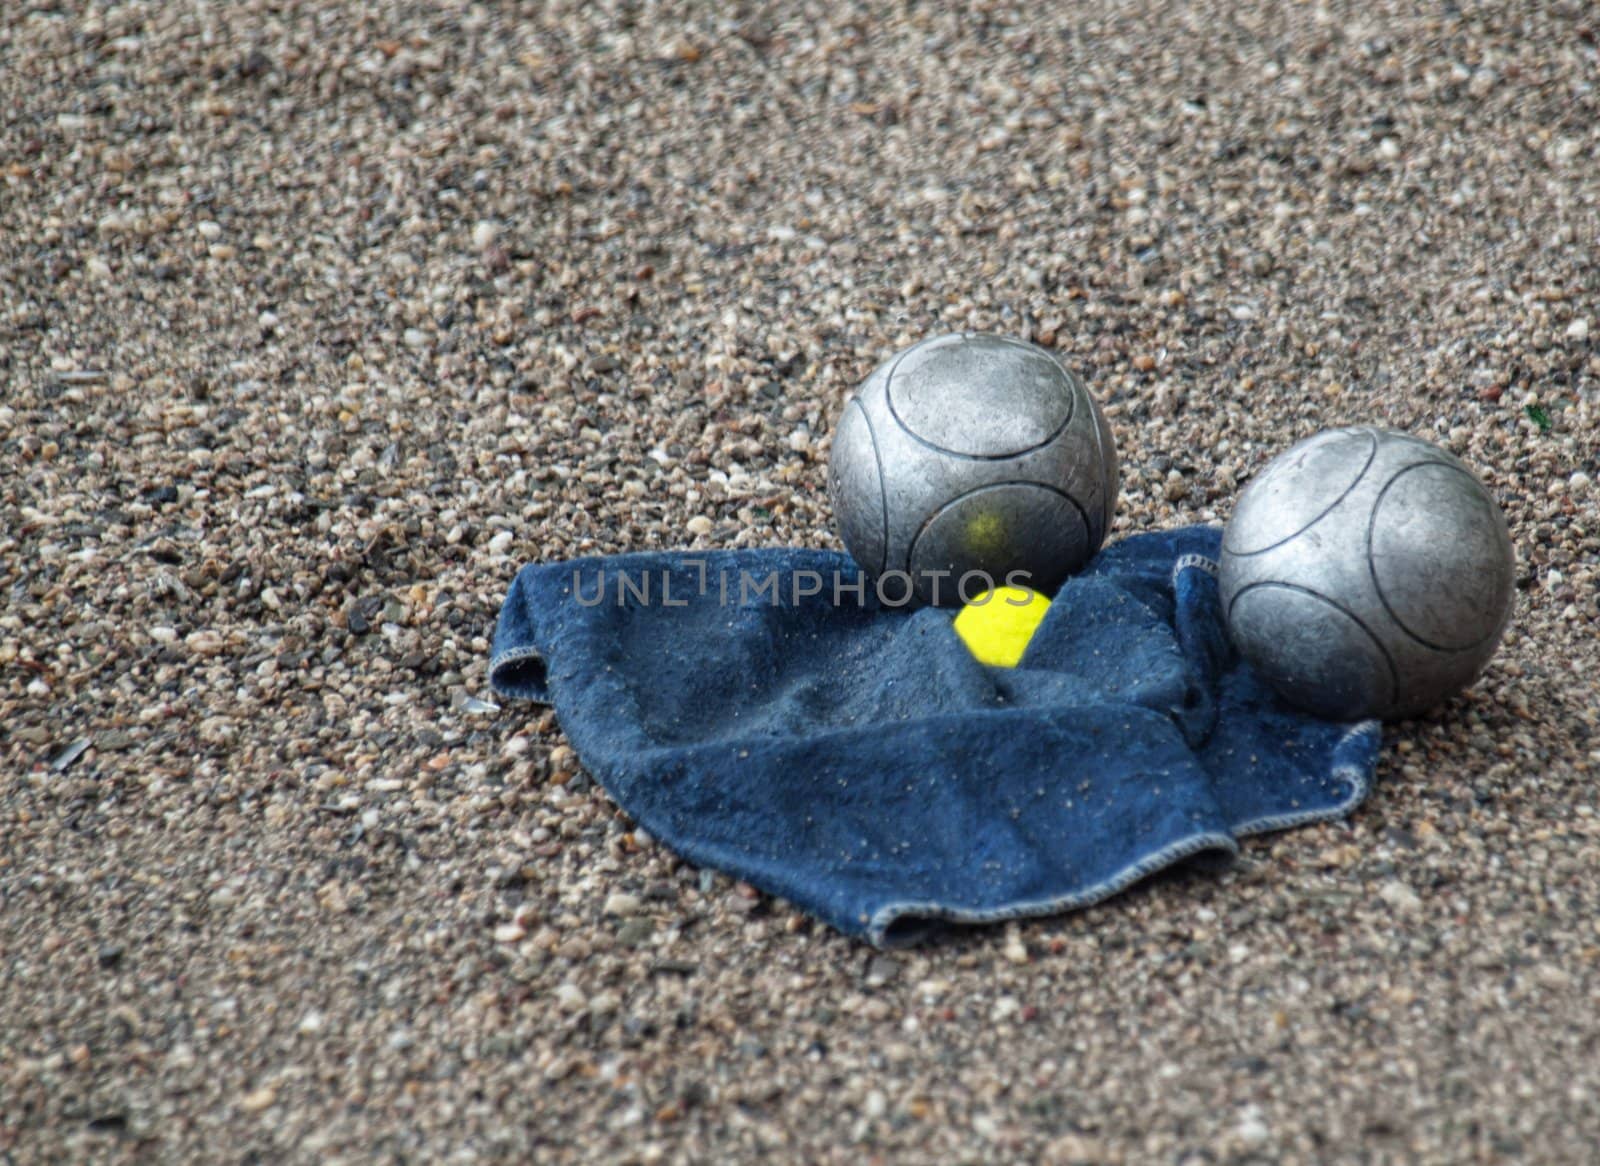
x,y
1366,574
967,459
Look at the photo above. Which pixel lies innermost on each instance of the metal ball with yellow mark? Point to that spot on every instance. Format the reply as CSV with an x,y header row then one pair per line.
x,y
998,624
972,457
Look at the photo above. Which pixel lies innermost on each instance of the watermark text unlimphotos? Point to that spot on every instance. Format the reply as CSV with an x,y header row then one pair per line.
x,y
668,587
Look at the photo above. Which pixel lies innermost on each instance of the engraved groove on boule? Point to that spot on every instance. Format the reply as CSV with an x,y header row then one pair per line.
x,y
1068,554
852,497
1425,618
926,414
1317,685
1253,495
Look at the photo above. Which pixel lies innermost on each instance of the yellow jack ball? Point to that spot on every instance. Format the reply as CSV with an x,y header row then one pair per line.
x,y
997,625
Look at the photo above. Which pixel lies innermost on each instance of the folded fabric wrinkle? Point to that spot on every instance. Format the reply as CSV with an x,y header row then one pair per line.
x,y
769,714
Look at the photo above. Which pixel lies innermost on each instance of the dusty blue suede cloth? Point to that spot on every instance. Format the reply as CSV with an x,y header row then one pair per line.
x,y
853,757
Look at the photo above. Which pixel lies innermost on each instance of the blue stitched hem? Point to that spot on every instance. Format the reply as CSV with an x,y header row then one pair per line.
x,y
535,692
886,917
1198,562
1351,775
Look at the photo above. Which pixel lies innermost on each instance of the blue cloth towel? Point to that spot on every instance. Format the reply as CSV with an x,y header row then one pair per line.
x,y
764,713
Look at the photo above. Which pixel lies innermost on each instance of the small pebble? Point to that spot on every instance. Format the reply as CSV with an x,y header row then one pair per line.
x,y
204,643
258,1100
1401,897
623,904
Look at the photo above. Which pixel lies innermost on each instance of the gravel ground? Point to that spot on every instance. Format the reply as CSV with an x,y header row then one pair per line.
x,y
316,319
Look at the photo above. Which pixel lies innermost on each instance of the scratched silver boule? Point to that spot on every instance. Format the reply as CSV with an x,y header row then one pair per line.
x,y
973,453
1366,573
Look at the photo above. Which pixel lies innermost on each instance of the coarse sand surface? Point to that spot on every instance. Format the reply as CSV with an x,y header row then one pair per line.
x,y
317,319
